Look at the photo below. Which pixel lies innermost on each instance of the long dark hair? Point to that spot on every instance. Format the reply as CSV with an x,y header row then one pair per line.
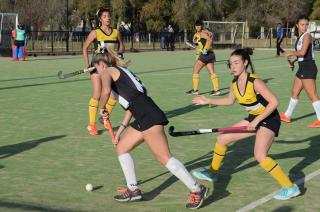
x,y
245,55
99,13
296,30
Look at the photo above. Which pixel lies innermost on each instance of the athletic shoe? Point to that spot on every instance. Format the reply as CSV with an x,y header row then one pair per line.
x,y
195,199
285,118
92,128
126,195
287,193
215,93
205,174
315,124
192,92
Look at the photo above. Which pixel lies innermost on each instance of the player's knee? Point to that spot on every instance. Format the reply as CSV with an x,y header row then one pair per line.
x,y
221,140
258,156
163,159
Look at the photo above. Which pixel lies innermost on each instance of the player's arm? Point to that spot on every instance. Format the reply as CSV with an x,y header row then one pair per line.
x,y
302,52
106,80
194,39
86,45
124,124
261,88
121,44
206,36
202,100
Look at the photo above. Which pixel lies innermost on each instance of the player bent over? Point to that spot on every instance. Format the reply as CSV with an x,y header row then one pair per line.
x,y
147,126
261,104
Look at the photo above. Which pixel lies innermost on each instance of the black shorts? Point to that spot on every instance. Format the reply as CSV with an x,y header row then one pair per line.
x,y
272,122
307,70
146,113
19,43
210,57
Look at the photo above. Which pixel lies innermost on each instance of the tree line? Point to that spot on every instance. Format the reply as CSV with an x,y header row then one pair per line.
x,y
152,15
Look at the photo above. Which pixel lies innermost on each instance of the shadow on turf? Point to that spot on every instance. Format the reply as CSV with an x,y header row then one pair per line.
x,y
10,150
309,155
237,154
46,83
30,207
283,209
28,78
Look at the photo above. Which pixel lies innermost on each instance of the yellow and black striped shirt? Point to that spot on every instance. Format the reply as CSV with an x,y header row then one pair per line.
x,y
254,103
103,40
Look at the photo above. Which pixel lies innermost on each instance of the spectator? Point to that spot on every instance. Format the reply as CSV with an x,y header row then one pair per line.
x,y
171,37
280,35
316,44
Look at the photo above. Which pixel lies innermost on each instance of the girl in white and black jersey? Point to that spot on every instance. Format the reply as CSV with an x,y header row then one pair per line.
x,y
148,126
307,73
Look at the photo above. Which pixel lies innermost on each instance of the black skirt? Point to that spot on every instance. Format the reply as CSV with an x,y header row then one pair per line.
x,y
146,113
307,70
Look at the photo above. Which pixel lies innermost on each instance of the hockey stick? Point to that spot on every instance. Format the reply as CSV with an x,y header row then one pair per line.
x,y
291,63
75,73
190,45
108,125
204,131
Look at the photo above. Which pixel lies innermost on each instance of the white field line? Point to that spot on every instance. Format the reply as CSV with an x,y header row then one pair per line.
x,y
270,196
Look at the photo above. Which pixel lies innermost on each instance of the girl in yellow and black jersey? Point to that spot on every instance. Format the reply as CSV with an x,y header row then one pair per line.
x,y
205,56
103,36
263,122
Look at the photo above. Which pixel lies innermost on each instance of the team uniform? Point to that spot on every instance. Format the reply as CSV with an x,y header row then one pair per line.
x,y
255,104
132,96
205,54
101,42
104,40
307,70
202,44
307,66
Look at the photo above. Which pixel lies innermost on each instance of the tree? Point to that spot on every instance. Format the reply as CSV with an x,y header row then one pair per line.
x,y
186,12
315,15
155,14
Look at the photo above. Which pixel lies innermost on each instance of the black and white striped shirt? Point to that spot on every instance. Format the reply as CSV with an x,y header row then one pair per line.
x,y
127,87
309,54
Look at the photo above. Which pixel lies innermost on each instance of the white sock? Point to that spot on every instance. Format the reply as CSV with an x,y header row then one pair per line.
x,y
178,170
127,165
316,106
292,105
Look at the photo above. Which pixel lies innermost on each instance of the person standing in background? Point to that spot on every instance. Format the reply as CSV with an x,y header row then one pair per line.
x,y
280,35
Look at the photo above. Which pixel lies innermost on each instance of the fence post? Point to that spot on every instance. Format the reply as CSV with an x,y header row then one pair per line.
x,y
51,41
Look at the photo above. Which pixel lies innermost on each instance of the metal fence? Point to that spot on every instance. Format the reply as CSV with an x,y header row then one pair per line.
x,y
71,42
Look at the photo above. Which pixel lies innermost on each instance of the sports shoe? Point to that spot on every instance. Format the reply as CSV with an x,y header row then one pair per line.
x,y
195,199
315,124
285,118
92,128
192,92
215,93
287,193
205,174
126,195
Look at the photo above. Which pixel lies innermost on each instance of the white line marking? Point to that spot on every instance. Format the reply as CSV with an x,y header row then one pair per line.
x,y
270,196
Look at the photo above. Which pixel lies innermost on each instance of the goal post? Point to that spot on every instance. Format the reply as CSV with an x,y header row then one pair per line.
x,y
226,34
8,21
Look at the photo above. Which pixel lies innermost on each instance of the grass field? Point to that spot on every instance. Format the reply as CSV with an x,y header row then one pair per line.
x,y
47,157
